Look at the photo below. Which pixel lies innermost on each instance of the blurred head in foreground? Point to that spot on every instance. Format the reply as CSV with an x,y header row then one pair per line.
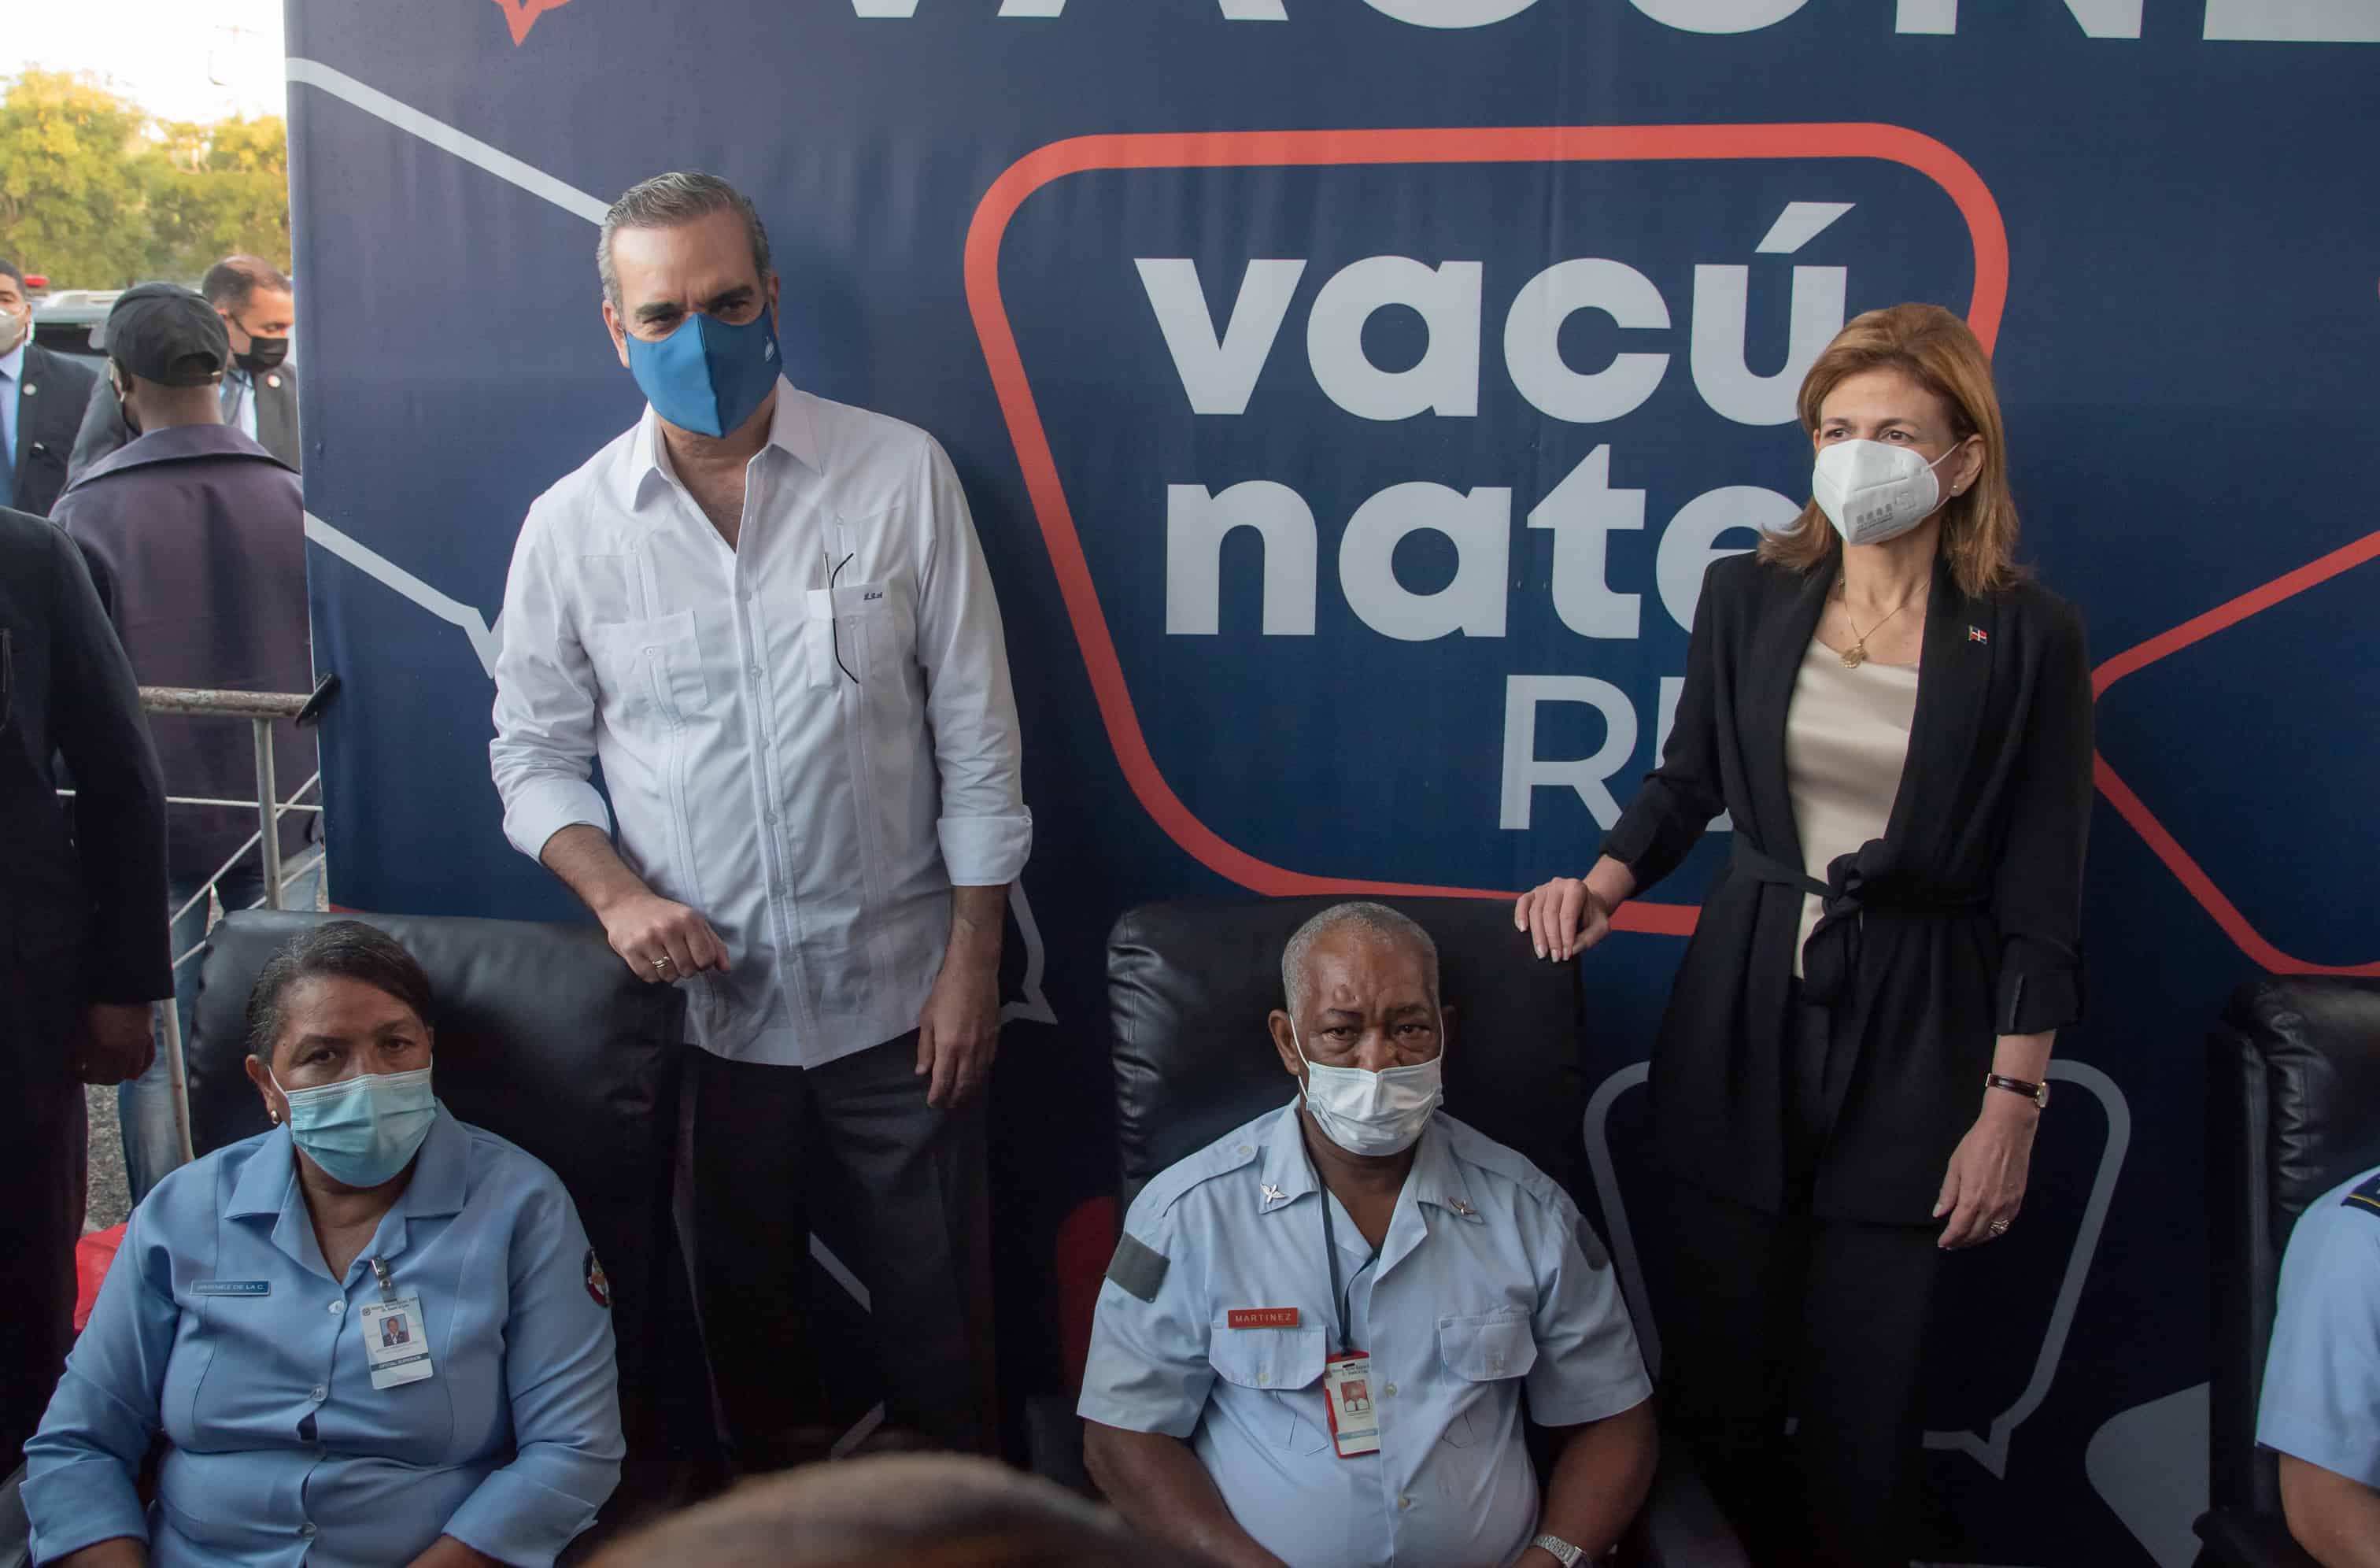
x,y
935,1510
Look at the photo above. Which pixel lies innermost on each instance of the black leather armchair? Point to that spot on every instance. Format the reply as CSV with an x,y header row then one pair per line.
x,y
545,1039
2292,1109
1189,985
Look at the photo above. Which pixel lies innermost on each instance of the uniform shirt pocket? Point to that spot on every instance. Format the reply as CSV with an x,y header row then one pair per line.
x,y
650,668
1279,1365
1485,1349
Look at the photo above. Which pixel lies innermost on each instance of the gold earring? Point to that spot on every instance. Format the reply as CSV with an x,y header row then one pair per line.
x,y
274,1115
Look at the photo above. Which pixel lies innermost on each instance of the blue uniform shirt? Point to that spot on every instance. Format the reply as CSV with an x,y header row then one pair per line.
x,y
2321,1378
282,1452
1488,1283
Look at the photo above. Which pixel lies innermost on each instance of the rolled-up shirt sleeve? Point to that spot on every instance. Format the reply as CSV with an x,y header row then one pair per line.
x,y
984,829
80,1467
1588,1366
563,1379
1148,1369
544,751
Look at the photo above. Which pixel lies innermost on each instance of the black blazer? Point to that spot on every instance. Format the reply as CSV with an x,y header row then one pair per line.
x,y
104,430
49,409
1960,924
82,892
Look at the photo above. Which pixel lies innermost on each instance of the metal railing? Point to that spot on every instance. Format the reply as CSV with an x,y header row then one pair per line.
x,y
261,709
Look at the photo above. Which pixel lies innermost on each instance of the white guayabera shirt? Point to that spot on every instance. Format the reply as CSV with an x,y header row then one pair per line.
x,y
809,738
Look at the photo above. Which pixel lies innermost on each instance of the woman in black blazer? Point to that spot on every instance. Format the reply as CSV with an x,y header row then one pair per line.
x,y
1848,1078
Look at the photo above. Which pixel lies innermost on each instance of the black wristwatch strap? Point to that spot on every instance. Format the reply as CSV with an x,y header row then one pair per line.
x,y
2037,1093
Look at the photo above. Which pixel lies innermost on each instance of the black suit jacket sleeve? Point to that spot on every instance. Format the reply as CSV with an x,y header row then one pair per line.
x,y
2038,894
119,791
104,429
1682,795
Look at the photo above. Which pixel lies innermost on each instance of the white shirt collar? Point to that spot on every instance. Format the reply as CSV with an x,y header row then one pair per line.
x,y
789,428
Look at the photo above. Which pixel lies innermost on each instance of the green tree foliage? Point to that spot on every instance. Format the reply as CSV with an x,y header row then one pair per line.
x,y
96,192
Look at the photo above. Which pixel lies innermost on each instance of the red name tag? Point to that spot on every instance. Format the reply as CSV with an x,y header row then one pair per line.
x,y
1262,1317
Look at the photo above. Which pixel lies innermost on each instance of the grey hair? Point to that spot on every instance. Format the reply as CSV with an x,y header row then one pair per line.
x,y
1374,919
667,202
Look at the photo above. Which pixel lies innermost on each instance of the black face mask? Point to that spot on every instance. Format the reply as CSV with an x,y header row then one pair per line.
x,y
263,354
124,405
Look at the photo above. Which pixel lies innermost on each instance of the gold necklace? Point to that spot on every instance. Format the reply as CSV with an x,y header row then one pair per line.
x,y
1856,654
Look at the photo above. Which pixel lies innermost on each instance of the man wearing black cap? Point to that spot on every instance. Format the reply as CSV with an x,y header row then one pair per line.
x,y
258,391
196,539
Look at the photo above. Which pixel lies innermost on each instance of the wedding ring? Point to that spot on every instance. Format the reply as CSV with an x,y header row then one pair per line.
x,y
661,966
1999,1227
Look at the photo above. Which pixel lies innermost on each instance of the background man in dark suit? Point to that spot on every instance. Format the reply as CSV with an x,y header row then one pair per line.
x,y
82,932
260,388
42,397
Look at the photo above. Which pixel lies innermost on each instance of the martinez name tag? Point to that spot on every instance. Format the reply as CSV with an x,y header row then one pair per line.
x,y
1262,1318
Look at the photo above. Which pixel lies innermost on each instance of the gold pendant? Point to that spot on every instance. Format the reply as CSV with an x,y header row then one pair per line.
x,y
1855,655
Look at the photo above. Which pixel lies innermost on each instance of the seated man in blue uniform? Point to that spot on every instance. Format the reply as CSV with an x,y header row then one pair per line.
x,y
2321,1409
1314,1341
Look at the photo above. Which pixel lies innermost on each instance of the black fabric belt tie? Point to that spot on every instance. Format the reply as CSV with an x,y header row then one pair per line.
x,y
1830,959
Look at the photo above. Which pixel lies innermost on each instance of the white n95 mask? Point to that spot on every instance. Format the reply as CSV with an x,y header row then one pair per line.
x,y
1873,491
1368,1113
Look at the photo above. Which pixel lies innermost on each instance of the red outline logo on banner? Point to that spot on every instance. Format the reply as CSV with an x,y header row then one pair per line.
x,y
1327,148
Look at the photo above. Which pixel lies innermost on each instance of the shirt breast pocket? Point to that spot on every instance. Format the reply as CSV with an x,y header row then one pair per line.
x,y
1485,1350
650,667
858,632
1283,1366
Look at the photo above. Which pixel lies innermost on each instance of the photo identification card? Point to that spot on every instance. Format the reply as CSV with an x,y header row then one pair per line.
x,y
1347,1385
396,1344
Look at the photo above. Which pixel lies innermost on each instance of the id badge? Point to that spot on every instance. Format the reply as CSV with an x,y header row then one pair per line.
x,y
1347,1387
396,1343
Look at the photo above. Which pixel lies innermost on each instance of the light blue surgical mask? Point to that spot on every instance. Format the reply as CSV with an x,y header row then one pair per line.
x,y
1367,1113
706,375
362,1130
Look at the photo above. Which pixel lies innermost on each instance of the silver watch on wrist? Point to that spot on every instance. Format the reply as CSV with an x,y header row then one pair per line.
x,y
1567,1554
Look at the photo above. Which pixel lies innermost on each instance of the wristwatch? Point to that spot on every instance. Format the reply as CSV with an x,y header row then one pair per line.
x,y
1567,1554
2037,1093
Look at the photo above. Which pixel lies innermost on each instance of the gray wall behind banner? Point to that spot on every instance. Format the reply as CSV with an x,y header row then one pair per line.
x,y
1348,490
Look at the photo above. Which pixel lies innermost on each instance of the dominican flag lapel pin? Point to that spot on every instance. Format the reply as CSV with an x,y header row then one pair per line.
x,y
1977,634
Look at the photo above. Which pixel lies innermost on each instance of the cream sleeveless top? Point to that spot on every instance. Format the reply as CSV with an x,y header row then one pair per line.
x,y
1846,739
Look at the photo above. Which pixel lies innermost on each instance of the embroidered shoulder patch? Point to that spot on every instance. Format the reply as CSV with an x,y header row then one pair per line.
x,y
1137,1267
599,1285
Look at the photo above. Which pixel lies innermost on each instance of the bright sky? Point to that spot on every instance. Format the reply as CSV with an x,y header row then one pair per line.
x,y
180,59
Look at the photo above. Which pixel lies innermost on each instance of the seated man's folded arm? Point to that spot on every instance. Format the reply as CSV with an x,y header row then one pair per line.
x,y
1145,1388
1157,1482
2334,1517
1589,1377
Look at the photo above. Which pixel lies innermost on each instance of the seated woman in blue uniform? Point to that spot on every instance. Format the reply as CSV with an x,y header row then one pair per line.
x,y
242,1322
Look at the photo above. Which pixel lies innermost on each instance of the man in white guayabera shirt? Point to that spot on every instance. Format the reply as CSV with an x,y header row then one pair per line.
x,y
768,615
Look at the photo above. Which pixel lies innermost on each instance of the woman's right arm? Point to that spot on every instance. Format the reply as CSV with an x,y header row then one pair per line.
x,y
80,1467
1566,915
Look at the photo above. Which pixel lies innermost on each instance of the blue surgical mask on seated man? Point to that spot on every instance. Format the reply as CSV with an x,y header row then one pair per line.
x,y
362,1130
1873,491
1368,1113
708,375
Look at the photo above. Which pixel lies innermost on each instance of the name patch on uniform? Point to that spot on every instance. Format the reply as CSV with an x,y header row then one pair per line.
x,y
231,1287
1137,1268
1262,1317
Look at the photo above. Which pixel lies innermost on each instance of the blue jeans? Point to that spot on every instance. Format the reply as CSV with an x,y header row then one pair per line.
x,y
144,1107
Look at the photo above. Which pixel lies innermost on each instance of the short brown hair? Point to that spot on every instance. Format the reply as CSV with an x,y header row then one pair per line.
x,y
1935,349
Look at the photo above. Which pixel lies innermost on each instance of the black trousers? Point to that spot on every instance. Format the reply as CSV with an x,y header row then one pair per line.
x,y
43,1136
1769,1315
915,1179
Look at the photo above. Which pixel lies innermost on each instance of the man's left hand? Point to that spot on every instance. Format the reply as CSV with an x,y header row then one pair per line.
x,y
117,1044
958,1033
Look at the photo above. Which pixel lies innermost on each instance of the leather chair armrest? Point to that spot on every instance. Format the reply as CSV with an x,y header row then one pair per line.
x,y
1053,1443
1681,1526
2237,1538
16,1530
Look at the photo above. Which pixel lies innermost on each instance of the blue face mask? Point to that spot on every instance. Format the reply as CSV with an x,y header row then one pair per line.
x,y
362,1130
708,376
